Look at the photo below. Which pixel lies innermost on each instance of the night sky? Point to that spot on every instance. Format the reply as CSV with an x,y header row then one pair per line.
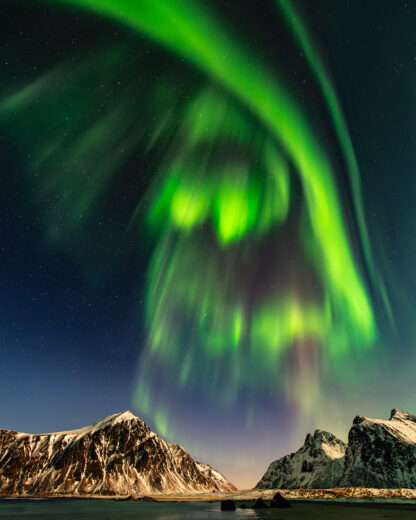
x,y
207,218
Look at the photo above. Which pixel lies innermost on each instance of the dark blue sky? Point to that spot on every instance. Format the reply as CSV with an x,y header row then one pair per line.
x,y
69,345
71,321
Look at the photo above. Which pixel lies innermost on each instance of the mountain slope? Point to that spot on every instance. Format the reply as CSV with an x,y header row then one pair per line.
x,y
319,463
382,454
214,475
119,455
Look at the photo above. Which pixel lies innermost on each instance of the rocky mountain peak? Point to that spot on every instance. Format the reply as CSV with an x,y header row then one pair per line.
x,y
317,464
326,443
382,453
108,422
358,419
322,436
399,415
118,455
125,416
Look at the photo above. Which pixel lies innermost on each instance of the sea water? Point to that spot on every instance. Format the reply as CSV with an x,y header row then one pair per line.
x,y
85,509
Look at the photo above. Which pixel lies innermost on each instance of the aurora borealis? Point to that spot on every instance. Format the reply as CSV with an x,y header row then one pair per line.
x,y
226,171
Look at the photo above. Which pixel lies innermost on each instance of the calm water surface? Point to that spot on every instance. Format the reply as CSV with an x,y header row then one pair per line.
x,y
73,509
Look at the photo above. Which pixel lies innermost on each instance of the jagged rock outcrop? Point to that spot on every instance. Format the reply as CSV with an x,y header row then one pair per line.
x,y
382,454
318,464
119,455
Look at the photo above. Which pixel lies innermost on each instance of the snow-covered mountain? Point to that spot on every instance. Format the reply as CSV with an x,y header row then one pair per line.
x,y
319,463
382,454
118,455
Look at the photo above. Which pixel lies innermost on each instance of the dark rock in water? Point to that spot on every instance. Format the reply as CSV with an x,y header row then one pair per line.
x,y
279,501
243,506
228,505
260,504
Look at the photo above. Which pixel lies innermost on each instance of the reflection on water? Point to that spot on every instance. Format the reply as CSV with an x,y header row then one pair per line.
x,y
74,509
78,509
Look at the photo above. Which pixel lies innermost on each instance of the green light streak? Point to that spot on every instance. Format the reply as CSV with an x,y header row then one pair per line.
x,y
278,324
225,189
187,29
305,41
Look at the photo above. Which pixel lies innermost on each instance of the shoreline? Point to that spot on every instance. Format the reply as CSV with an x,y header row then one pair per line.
x,y
353,496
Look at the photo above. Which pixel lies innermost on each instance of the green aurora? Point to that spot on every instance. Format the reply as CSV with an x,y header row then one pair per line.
x,y
245,177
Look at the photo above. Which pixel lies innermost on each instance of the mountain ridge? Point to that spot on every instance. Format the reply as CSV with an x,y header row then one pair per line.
x,y
382,453
317,464
379,454
117,455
